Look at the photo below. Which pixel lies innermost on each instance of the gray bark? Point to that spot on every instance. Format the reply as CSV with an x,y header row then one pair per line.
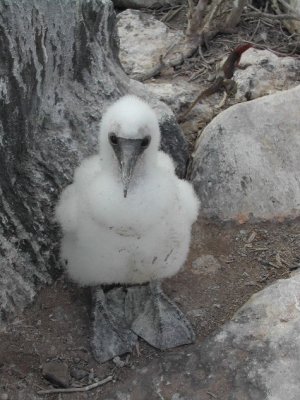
x,y
58,70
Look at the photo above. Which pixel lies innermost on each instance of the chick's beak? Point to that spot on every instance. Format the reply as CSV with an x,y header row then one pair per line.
x,y
128,152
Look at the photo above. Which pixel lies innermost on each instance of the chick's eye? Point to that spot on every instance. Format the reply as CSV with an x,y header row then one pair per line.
x,y
146,141
113,139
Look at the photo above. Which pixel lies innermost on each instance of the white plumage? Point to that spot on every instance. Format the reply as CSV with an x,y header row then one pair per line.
x,y
110,238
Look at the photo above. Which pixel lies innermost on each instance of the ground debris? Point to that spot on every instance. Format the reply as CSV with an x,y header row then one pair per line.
x,y
57,373
78,389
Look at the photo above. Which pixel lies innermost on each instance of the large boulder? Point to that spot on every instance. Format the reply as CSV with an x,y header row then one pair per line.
x,y
59,70
246,162
257,354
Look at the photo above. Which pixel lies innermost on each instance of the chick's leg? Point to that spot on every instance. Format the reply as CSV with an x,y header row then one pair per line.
x,y
111,335
155,318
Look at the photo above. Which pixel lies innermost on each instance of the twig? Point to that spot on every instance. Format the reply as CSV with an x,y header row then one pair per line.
x,y
223,101
214,88
79,389
287,5
273,16
212,13
171,14
212,395
255,30
235,15
195,17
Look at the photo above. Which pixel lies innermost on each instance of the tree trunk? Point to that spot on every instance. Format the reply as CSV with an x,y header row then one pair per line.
x,y
58,69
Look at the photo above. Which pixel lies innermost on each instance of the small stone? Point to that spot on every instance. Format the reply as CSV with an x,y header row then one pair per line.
x,y
206,264
118,362
78,373
56,373
3,396
199,312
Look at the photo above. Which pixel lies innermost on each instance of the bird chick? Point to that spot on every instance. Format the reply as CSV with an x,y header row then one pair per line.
x,y
126,218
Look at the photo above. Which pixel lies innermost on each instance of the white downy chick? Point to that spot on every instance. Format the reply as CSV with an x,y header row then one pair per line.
x,y
126,218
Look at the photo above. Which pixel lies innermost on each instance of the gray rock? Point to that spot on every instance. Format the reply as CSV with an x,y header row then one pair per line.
x,y
143,39
51,102
57,373
78,373
258,352
246,162
176,94
174,143
263,73
197,313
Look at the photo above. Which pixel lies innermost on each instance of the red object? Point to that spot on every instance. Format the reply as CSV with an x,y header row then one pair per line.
x,y
233,59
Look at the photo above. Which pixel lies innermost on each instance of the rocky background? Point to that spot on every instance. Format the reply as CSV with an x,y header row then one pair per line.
x,y
59,70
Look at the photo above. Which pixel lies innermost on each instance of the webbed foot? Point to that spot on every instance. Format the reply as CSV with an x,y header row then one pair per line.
x,y
124,313
155,318
111,335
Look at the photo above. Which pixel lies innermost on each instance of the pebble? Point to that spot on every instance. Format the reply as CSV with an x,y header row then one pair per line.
x,y
118,362
78,373
206,264
3,396
199,312
56,373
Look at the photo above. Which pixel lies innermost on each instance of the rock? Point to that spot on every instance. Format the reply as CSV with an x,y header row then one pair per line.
x,y
197,313
206,264
172,142
143,39
78,373
176,94
57,373
51,105
138,4
118,362
258,352
246,162
265,73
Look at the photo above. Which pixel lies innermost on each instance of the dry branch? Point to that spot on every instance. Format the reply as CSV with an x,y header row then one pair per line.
x,y
195,17
235,15
78,389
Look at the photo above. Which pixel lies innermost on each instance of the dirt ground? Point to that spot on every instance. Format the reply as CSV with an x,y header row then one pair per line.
x,y
245,258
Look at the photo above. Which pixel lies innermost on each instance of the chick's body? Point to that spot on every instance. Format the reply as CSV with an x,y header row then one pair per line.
x,y
112,239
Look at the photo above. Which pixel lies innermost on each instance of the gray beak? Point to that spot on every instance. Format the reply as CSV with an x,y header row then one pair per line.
x,y
128,152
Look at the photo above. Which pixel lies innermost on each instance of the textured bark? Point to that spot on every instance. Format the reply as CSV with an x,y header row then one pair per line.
x,y
58,70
